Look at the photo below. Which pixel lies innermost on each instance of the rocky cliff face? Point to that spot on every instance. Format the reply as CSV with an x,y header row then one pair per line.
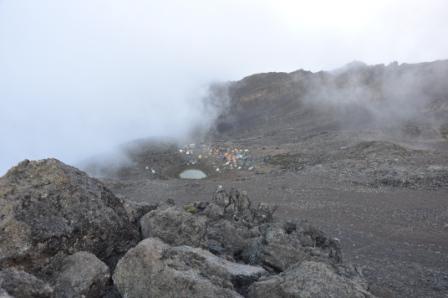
x,y
400,96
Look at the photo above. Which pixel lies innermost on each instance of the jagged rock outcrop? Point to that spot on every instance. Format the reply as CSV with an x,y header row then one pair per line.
x,y
231,227
298,259
154,269
48,208
20,284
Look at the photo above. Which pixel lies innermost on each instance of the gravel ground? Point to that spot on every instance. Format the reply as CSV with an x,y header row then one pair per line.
x,y
397,234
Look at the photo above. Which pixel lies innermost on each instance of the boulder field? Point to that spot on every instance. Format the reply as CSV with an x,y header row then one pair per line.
x,y
64,234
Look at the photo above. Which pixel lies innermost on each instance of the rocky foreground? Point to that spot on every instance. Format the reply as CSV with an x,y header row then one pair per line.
x,y
64,234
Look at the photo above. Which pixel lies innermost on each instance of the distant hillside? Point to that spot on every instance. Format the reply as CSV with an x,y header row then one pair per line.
x,y
354,96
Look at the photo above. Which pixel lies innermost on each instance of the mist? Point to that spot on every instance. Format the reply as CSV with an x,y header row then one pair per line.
x,y
78,78
380,96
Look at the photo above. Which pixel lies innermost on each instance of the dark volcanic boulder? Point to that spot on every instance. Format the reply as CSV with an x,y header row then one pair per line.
x,y
174,226
226,237
21,284
81,275
281,245
312,280
136,210
154,269
48,208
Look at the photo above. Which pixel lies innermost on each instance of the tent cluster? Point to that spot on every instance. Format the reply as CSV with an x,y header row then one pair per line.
x,y
221,157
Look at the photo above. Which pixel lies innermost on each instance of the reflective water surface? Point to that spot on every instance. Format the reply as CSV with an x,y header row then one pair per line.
x,y
192,174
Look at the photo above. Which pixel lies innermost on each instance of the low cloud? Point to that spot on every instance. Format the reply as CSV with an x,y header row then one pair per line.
x,y
78,78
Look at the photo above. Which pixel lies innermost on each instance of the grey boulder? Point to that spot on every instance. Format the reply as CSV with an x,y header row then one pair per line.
x,y
284,244
136,210
209,264
23,285
81,275
49,208
155,269
311,279
174,226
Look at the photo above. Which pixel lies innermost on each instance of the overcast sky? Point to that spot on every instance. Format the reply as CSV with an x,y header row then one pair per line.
x,y
79,77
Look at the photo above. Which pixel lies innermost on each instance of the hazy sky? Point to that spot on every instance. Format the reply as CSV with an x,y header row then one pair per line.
x,y
79,77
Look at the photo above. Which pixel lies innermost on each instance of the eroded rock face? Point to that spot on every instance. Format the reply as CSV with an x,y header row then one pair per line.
x,y
311,279
81,275
49,208
154,269
21,284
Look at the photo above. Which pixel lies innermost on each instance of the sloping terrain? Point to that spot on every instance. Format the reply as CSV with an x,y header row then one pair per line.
x,y
361,152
